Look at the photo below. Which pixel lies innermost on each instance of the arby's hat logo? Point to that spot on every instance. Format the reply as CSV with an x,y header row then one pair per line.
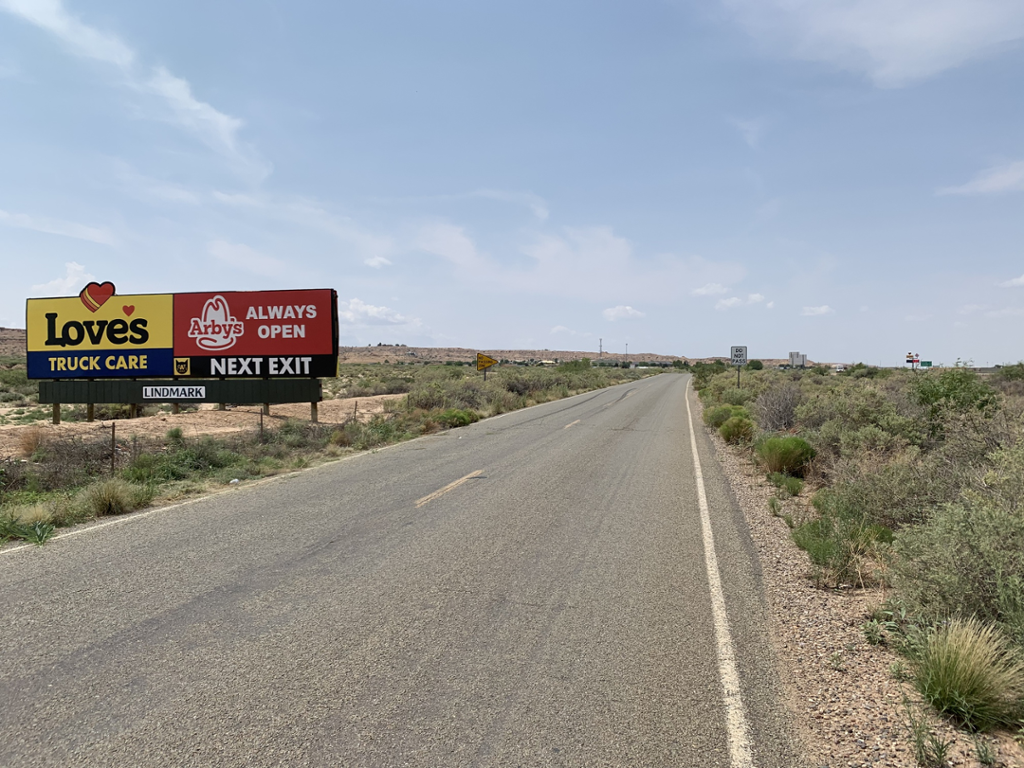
x,y
217,328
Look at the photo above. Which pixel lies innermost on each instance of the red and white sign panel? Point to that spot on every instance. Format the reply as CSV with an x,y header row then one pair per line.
x,y
256,333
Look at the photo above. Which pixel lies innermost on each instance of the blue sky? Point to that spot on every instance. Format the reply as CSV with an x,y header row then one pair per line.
x,y
839,177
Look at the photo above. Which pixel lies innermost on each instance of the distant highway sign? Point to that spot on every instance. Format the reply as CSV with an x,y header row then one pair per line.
x,y
739,355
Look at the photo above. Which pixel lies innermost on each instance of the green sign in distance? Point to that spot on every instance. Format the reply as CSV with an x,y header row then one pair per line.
x,y
926,363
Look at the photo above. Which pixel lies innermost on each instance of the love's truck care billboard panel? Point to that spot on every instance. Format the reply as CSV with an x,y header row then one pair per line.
x,y
250,334
256,334
98,335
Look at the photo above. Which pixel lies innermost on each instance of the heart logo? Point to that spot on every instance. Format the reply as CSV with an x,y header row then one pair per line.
x,y
95,295
128,309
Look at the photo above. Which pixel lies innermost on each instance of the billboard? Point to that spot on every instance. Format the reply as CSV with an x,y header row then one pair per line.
x,y
240,334
256,333
100,335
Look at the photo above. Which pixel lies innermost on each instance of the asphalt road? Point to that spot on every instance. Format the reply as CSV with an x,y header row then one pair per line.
x,y
552,609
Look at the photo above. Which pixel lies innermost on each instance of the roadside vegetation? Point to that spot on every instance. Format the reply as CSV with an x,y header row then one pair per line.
x,y
63,480
912,482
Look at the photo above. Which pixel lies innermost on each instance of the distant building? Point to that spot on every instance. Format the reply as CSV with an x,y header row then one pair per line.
x,y
797,360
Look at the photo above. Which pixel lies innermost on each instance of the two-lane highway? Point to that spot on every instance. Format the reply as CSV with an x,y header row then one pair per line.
x,y
533,590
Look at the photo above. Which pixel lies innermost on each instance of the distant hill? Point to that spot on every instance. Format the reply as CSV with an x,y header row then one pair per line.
x,y
394,353
12,341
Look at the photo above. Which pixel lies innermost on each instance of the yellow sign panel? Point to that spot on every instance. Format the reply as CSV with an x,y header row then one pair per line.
x,y
484,362
93,322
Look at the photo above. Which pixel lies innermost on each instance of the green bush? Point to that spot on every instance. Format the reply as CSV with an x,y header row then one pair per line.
x,y
789,455
717,416
454,417
967,559
736,396
969,671
791,485
737,430
958,390
845,550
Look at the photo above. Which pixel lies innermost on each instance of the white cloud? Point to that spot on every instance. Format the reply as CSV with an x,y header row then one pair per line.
x,y
750,130
80,38
1016,282
824,309
247,259
57,227
991,181
893,42
1008,312
450,242
214,128
74,279
736,301
559,329
970,309
377,262
358,312
621,312
537,205
596,263
770,305
710,289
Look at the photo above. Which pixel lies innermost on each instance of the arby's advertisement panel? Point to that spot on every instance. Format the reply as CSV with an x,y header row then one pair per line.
x,y
256,333
228,334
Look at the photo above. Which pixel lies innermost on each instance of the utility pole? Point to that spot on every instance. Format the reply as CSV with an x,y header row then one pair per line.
x,y
600,348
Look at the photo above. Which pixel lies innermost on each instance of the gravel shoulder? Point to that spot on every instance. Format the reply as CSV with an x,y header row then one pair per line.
x,y
848,708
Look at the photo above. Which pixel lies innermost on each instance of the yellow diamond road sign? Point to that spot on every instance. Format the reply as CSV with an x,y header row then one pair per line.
x,y
483,362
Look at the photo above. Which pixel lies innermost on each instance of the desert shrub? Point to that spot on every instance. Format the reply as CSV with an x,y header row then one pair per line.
x,y
755,365
736,396
966,559
845,549
968,671
785,454
67,461
13,474
737,429
378,431
502,401
775,408
703,373
454,417
957,390
1013,372
791,485
113,496
717,416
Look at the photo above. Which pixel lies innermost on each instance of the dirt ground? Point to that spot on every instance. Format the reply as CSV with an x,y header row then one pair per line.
x,y
15,439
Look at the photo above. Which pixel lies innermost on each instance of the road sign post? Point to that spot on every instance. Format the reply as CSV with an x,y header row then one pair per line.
x,y
739,359
483,362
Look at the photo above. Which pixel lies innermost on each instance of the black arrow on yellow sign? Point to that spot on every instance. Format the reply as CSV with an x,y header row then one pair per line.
x,y
483,362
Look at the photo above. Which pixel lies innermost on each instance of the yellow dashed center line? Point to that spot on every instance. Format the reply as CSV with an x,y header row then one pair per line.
x,y
569,425
450,487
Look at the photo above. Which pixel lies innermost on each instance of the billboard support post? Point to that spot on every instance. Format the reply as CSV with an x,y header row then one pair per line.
x,y
314,416
56,413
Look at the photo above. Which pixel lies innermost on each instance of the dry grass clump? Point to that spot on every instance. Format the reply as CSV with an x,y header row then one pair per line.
x,y
29,441
969,671
113,497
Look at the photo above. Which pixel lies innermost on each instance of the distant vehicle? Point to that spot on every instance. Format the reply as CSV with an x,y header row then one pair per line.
x,y
840,368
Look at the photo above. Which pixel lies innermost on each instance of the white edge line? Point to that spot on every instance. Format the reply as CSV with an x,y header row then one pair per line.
x,y
736,719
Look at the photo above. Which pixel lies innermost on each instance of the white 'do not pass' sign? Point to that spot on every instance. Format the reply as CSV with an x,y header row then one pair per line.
x,y
739,355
